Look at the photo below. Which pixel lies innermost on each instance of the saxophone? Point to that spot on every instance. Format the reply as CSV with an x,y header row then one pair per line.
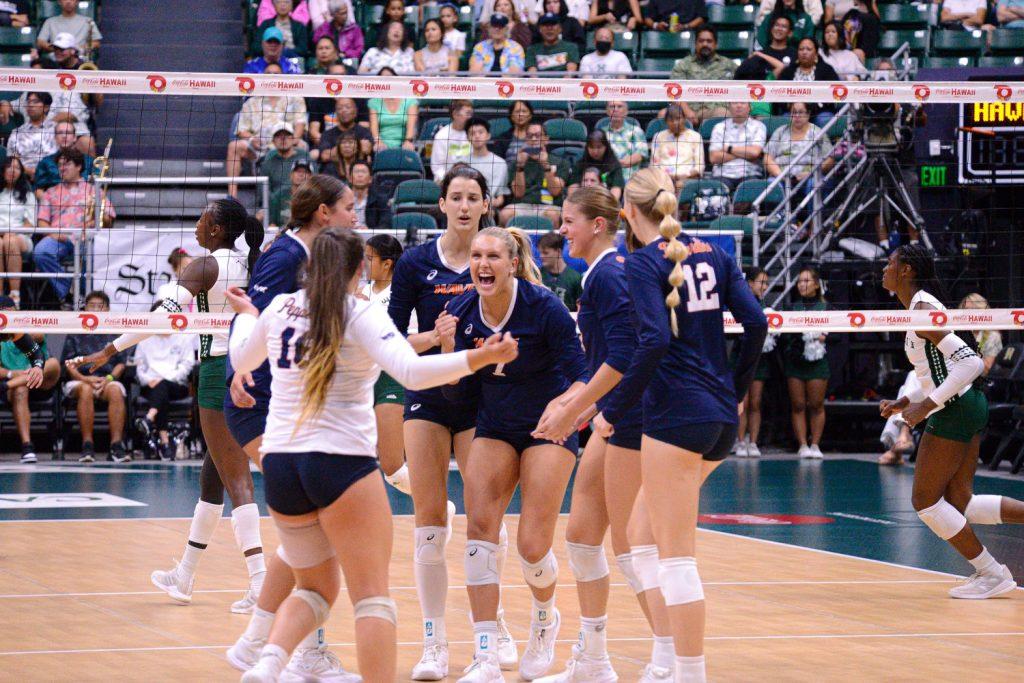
x,y
100,169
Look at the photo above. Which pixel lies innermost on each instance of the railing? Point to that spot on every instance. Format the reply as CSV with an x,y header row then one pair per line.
x,y
77,237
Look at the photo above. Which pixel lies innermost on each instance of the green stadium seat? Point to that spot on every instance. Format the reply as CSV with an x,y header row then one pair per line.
x,y
15,60
837,129
708,125
665,45
500,127
735,44
430,128
733,17
773,123
654,127
958,43
915,63
17,39
1008,41
999,61
545,108
947,62
531,223
749,190
416,195
605,122
397,162
570,154
904,17
660,65
566,132
413,222
893,40
626,41
733,224
703,186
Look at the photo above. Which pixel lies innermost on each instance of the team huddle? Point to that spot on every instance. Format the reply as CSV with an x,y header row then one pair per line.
x,y
455,346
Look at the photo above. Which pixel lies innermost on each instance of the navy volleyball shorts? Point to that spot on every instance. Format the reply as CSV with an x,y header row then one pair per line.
x,y
299,483
713,440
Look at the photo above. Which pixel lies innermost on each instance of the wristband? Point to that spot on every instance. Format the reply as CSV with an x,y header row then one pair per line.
x,y
729,149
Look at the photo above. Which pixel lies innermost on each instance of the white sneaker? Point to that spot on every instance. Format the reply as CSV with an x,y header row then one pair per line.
x,y
262,672
174,584
433,665
314,664
816,452
244,654
805,452
579,670
740,449
540,650
508,655
653,674
983,586
752,450
248,601
484,669
450,521
29,457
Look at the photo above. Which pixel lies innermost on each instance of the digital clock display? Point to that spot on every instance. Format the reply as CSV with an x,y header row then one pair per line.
x,y
991,150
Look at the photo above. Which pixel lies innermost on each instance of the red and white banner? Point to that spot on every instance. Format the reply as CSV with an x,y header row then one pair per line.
x,y
535,89
70,322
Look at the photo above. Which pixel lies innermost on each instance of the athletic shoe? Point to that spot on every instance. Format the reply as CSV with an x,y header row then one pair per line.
x,y
244,654
540,650
118,454
983,586
166,451
399,479
484,669
805,452
88,454
508,655
451,520
248,601
433,665
265,671
316,664
580,670
816,452
145,426
174,584
752,450
739,449
28,452
654,674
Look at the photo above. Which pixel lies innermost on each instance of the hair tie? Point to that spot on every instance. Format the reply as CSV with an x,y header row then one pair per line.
x,y
658,193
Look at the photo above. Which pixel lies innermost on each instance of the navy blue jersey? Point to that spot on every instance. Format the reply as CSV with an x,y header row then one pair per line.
x,y
424,283
606,322
512,396
686,379
276,272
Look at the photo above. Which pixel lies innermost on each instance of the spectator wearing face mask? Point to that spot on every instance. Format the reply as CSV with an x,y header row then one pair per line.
x,y
605,60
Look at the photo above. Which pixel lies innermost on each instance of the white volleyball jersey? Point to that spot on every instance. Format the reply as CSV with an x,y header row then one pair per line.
x,y
232,271
929,363
346,425
383,298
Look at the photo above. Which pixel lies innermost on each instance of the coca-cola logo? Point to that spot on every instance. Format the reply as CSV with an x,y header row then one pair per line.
x,y
178,321
67,81
1003,92
505,88
756,90
774,320
157,83
922,92
89,321
245,84
673,90
1018,317
939,318
839,92
856,319
3,321
419,88
333,86
590,90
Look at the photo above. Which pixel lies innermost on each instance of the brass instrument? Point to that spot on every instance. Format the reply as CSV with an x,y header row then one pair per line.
x,y
100,169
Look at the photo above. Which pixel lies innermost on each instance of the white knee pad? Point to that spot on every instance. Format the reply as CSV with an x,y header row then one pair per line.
x,y
541,574
680,581
305,546
984,510
588,562
430,542
377,608
316,602
944,519
481,563
625,562
645,565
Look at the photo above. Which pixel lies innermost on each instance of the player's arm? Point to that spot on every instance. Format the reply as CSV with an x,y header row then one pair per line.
x,y
403,303
248,341
747,312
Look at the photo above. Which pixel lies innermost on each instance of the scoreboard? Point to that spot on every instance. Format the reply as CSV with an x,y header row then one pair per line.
x,y
990,143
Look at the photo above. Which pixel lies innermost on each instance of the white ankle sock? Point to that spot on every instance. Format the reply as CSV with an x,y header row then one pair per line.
x,y
313,639
985,563
259,624
690,670
663,652
434,630
593,636
543,613
485,637
274,657
204,523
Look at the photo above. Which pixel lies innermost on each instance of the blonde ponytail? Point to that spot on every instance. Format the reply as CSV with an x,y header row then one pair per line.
x,y
519,247
652,191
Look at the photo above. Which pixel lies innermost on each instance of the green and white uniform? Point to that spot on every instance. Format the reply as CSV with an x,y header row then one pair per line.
x,y
966,413
387,390
232,271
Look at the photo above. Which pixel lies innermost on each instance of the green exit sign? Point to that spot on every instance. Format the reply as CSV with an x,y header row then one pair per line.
x,y
933,176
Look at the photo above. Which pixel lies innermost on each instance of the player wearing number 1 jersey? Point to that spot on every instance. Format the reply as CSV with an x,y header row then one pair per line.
x,y
679,287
